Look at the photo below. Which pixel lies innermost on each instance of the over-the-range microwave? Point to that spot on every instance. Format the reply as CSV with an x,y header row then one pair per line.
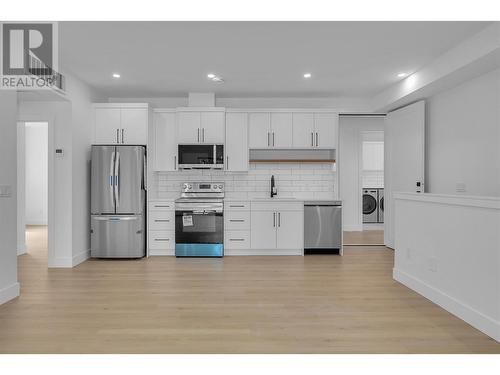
x,y
201,156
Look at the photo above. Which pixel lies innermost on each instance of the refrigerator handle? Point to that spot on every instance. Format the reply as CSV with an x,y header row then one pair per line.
x,y
117,180
144,174
112,177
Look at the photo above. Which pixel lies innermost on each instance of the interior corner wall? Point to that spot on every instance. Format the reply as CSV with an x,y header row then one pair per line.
x,y
81,98
9,287
463,138
349,166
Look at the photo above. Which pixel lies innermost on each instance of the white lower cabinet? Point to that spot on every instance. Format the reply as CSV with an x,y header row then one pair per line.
x,y
263,229
161,227
277,228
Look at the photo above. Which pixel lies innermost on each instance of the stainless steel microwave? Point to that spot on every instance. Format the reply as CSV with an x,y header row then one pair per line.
x,y
201,156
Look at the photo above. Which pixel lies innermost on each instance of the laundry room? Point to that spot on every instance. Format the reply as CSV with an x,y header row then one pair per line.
x,y
361,179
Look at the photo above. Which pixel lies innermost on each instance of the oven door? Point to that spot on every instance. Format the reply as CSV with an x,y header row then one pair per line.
x,y
199,232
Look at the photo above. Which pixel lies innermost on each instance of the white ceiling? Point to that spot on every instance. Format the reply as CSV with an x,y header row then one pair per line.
x,y
256,59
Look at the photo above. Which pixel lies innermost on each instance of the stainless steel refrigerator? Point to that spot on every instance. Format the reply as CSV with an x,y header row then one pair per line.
x,y
118,201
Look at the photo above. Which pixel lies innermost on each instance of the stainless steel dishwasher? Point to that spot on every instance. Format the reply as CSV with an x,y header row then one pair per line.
x,y
323,227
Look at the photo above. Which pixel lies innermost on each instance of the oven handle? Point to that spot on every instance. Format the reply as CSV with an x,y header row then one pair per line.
x,y
201,212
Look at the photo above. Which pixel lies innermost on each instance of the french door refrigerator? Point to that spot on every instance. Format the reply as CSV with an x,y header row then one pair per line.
x,y
118,201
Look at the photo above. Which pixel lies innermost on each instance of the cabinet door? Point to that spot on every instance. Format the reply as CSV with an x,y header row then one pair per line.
x,y
165,142
303,130
326,127
259,130
236,142
188,127
107,125
290,230
212,127
281,130
263,230
134,126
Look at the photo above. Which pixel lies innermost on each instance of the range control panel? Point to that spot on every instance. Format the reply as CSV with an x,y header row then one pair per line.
x,y
203,187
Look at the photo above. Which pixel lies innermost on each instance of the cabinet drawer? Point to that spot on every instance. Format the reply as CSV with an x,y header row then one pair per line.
x,y
161,239
237,240
237,206
237,220
162,220
161,205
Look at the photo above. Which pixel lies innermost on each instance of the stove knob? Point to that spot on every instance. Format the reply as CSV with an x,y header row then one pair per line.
x,y
185,186
220,186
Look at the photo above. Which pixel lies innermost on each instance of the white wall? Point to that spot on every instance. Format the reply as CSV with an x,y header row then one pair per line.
x,y
21,199
9,287
447,249
350,165
340,104
36,170
463,138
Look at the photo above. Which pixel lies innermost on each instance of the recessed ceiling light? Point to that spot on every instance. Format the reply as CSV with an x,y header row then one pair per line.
x,y
215,78
401,75
307,75
116,75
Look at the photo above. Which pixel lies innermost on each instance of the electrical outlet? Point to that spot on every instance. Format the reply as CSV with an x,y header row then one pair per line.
x,y
433,264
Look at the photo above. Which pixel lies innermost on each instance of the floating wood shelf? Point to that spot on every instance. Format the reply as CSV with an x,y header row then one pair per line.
x,y
292,161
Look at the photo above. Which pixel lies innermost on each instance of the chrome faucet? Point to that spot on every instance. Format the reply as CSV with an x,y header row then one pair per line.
x,y
274,189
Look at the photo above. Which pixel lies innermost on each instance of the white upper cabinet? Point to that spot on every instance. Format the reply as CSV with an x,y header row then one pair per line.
x,y
326,130
134,125
121,124
212,127
164,142
303,130
201,126
236,142
107,125
281,130
188,125
270,130
259,129
315,130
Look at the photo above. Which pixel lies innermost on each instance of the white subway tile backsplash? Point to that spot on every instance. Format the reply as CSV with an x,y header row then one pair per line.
x,y
300,180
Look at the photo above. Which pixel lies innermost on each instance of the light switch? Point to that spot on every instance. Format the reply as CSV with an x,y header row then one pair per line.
x,y
5,191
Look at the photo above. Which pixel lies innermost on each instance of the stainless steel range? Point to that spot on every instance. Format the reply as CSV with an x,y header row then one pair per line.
x,y
199,220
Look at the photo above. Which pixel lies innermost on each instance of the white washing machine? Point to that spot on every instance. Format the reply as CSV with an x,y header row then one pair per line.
x,y
380,205
370,205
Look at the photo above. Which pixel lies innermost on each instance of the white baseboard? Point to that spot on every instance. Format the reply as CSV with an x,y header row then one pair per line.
x,y
352,228
80,258
475,318
162,252
231,252
21,249
10,292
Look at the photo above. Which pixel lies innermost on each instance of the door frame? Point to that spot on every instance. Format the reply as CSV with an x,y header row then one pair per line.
x,y
50,180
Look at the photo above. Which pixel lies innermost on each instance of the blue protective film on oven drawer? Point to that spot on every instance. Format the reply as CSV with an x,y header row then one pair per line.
x,y
199,250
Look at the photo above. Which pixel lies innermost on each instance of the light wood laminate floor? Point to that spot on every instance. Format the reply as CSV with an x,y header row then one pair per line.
x,y
366,237
312,304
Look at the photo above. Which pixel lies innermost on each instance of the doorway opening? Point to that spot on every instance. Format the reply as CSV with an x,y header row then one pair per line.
x,y
361,179
33,185
372,182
